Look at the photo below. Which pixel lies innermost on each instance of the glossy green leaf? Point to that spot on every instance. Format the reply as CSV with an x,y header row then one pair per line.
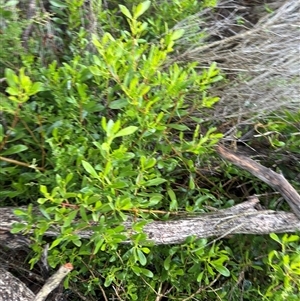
x,y
155,199
275,237
58,4
125,11
141,257
126,131
55,243
12,91
35,88
1,132
104,123
177,34
141,8
191,183
11,77
70,218
179,127
18,227
146,272
20,212
167,263
222,270
15,150
172,195
89,169
99,244
200,277
45,212
155,182
118,104
77,242
118,185
136,270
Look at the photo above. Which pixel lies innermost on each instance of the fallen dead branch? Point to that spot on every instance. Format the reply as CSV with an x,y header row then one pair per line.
x,y
12,289
275,180
53,282
243,218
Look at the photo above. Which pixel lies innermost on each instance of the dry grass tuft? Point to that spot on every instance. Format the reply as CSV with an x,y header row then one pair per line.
x,y
257,46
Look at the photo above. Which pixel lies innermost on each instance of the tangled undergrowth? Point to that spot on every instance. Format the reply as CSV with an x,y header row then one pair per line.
x,y
111,112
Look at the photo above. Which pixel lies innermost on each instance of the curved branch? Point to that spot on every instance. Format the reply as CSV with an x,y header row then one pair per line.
x,y
275,180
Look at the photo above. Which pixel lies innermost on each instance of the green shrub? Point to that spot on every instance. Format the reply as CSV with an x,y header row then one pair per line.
x,y
112,139
107,131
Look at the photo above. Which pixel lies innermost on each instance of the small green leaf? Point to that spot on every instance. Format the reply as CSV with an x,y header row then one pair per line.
x,y
155,182
146,272
275,237
149,163
35,88
45,213
172,195
55,243
208,102
83,214
1,133
98,245
179,127
191,183
116,126
77,242
141,8
59,4
109,128
89,169
43,189
18,227
138,226
70,218
212,71
200,276
167,263
177,34
118,185
118,104
154,200
11,77
222,270
141,257
12,91
15,150
125,11
136,270
127,131
20,212
104,123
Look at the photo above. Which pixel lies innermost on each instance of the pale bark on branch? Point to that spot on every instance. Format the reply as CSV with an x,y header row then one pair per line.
x,y
273,179
12,289
243,218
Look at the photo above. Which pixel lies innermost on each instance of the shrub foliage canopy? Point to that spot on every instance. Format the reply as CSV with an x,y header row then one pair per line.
x,y
100,124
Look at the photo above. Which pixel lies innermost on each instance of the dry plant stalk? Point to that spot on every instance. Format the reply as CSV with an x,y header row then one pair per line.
x,y
53,282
